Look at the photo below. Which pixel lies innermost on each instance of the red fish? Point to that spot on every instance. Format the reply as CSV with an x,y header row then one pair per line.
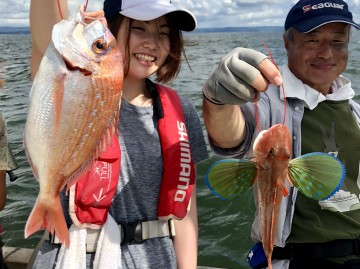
x,y
317,175
74,107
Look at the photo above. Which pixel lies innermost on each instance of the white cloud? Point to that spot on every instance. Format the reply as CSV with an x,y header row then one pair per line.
x,y
209,13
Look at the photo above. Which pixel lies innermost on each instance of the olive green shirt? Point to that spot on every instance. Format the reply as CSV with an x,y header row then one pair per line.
x,y
331,127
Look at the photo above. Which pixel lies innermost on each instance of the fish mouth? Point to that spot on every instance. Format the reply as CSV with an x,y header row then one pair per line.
x,y
71,67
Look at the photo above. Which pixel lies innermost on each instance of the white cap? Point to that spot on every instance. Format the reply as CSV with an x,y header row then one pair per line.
x,y
146,10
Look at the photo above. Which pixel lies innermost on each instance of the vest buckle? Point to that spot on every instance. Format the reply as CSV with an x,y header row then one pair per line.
x,y
132,232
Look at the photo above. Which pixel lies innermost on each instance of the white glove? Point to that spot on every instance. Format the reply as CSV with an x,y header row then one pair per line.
x,y
230,82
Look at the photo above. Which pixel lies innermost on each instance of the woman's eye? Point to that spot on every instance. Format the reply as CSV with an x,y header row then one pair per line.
x,y
137,28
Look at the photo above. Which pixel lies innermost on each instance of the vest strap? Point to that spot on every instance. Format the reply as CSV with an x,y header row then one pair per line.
x,y
179,170
131,233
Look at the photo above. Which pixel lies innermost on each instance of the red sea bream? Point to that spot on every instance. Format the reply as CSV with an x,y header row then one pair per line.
x,y
74,107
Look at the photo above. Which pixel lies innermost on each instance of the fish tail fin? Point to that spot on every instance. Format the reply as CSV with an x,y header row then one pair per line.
x,y
269,262
49,216
268,255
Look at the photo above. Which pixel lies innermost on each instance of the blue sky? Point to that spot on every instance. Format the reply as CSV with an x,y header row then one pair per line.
x,y
209,13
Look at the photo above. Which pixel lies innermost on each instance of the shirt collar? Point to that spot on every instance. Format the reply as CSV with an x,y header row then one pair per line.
x,y
295,88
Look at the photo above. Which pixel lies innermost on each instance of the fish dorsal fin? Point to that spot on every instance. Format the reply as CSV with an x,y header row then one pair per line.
x,y
317,175
106,140
228,178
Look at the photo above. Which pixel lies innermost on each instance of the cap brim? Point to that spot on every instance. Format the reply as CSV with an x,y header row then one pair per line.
x,y
182,18
310,25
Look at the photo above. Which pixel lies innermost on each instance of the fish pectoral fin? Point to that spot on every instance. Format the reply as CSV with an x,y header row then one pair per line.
x,y
317,175
231,177
109,140
288,178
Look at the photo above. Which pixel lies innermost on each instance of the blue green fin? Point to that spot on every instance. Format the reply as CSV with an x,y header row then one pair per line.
x,y
228,178
317,175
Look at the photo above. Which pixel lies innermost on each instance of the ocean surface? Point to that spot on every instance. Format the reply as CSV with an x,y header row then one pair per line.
x,y
224,226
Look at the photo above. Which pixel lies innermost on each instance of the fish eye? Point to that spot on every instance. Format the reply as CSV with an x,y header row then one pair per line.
x,y
100,46
271,152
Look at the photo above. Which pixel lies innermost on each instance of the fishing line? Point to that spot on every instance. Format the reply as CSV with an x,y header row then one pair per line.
x,y
256,112
59,8
86,4
256,95
282,84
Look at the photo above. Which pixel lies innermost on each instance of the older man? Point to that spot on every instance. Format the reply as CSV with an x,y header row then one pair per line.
x,y
321,116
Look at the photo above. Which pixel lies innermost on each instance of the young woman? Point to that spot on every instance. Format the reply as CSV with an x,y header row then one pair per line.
x,y
148,33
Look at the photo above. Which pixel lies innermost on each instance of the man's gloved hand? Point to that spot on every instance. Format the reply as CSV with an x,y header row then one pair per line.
x,y
230,83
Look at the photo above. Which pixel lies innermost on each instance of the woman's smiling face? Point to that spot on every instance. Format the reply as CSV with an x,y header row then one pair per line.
x,y
149,46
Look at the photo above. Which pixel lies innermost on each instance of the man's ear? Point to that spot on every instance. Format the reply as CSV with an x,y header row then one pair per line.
x,y
286,42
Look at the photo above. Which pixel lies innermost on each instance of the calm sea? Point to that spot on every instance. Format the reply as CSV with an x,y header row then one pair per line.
x,y
224,227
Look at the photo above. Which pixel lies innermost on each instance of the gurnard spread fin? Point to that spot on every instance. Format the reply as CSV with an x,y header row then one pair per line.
x,y
317,175
228,178
48,216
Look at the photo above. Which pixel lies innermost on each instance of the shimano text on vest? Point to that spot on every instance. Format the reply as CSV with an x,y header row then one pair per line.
x,y
185,171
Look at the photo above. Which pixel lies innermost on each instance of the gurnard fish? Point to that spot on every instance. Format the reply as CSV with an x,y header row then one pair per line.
x,y
317,175
74,109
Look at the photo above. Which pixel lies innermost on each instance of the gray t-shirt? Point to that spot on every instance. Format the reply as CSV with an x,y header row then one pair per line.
x,y
138,188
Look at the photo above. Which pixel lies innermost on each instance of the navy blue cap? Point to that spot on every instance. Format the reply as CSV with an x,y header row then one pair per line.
x,y
307,15
146,10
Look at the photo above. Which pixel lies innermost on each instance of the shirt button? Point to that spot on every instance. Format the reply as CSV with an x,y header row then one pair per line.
x,y
297,108
294,137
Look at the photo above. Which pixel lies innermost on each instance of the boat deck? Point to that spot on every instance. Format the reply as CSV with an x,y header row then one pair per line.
x,y
18,258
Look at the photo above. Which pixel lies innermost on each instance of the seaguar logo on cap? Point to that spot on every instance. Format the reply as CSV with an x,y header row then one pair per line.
x,y
308,8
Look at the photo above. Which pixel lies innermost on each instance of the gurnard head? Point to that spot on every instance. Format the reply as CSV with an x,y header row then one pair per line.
x,y
273,144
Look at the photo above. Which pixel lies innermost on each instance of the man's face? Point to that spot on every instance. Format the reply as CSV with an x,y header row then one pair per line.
x,y
319,57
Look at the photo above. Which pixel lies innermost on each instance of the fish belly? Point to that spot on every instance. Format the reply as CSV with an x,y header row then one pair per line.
x,y
269,200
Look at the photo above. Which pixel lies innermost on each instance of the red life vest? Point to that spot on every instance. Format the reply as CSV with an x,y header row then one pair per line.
x,y
91,196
